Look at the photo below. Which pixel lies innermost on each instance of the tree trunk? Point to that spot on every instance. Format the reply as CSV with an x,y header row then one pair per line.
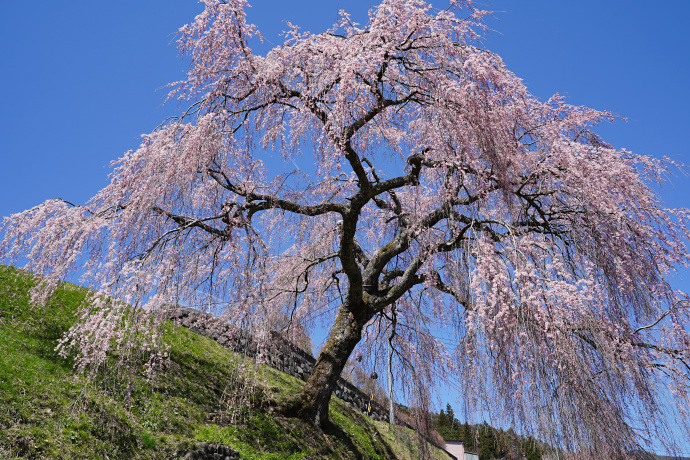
x,y
312,403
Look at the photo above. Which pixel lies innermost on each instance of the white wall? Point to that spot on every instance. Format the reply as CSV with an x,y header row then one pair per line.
x,y
456,448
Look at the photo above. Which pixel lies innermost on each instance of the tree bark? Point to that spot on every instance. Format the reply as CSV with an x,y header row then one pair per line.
x,y
312,402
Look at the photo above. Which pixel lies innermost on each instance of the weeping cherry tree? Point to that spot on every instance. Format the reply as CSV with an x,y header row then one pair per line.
x,y
436,192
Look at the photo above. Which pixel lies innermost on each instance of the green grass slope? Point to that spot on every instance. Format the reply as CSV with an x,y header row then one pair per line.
x,y
205,394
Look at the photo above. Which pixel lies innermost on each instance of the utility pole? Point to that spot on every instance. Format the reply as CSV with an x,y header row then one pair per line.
x,y
391,413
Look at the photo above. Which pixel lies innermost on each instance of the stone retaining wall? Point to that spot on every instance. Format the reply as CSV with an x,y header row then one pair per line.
x,y
274,351
208,451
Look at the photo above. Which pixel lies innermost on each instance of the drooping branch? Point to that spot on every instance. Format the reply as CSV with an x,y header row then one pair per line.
x,y
185,222
256,202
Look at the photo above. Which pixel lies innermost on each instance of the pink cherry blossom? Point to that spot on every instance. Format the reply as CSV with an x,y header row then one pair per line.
x,y
517,253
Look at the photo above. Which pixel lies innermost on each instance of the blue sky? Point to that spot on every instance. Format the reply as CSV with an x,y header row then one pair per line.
x,y
81,80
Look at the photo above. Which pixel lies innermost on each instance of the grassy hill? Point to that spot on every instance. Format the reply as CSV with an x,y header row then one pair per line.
x,y
206,394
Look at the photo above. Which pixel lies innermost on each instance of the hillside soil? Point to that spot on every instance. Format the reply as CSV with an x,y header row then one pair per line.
x,y
205,393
